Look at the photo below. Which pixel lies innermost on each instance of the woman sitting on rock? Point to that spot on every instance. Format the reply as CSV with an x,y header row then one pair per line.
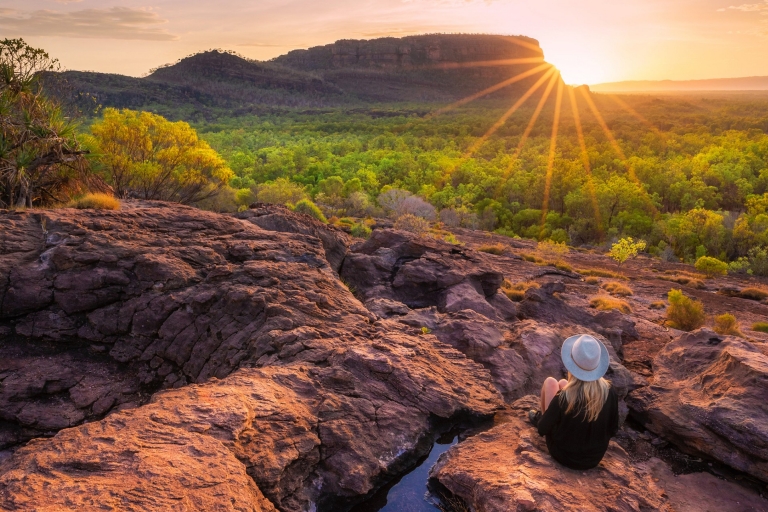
x,y
581,414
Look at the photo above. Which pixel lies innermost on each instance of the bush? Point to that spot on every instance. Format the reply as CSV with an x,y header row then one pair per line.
x,y
561,265
307,207
758,261
451,239
516,292
711,267
685,280
592,280
496,249
740,266
727,325
617,289
684,313
549,247
412,223
625,249
659,304
600,273
609,303
760,327
96,202
360,231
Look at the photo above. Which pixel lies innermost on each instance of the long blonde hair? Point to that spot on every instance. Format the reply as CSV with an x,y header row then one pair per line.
x,y
588,397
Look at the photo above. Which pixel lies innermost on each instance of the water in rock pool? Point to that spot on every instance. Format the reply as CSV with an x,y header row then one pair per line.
x,y
407,494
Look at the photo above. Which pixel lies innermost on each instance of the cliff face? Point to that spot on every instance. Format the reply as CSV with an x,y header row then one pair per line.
x,y
411,52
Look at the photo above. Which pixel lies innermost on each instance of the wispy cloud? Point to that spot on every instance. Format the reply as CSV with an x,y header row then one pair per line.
x,y
112,23
759,7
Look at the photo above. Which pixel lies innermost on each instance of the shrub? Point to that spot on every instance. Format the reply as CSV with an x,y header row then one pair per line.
x,y
760,327
516,292
411,223
307,207
659,304
758,261
753,294
685,280
96,202
727,325
711,267
617,289
552,248
684,313
496,249
592,280
609,303
625,249
360,231
451,239
561,265
740,266
531,257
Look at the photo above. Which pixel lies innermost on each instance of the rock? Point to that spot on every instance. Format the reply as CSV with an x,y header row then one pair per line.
x,y
279,218
385,308
333,402
702,492
708,396
509,468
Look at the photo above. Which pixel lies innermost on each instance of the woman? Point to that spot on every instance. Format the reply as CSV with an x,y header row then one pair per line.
x,y
581,414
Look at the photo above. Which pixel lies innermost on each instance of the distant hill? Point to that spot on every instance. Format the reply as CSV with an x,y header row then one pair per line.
x,y
428,68
752,83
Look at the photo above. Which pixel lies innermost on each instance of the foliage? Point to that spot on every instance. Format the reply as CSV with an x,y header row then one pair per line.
x,y
360,231
760,326
617,289
753,294
596,272
97,201
412,223
41,161
146,156
280,191
594,281
625,249
609,303
727,325
496,249
683,312
307,207
659,304
711,267
551,248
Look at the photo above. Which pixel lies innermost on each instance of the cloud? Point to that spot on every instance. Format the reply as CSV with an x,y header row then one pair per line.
x,y
112,23
759,7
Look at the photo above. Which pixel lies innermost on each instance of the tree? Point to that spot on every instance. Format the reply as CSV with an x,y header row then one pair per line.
x,y
711,267
41,161
148,157
625,249
280,191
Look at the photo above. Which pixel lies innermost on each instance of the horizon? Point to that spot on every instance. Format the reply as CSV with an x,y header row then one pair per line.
x,y
590,42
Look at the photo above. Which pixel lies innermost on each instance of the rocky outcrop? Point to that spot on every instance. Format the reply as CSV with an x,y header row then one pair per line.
x,y
509,468
333,402
708,396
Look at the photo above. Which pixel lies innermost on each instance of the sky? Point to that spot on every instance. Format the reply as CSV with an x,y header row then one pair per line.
x,y
590,41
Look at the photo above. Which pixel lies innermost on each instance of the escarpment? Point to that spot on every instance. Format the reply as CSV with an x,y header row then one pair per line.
x,y
161,357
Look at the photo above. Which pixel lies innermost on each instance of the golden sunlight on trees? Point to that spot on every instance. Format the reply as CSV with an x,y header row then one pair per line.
x,y
625,249
146,156
41,162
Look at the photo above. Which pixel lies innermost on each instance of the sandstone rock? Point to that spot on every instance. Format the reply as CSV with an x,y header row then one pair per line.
x,y
708,396
508,468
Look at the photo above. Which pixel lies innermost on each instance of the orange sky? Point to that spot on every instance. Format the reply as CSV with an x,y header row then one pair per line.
x,y
591,41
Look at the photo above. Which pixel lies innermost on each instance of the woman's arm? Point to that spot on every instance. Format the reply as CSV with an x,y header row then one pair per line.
x,y
551,416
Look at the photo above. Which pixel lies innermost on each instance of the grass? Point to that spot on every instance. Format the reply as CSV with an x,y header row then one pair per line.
x,y
659,304
617,289
516,292
561,265
532,258
593,272
496,249
760,327
594,281
96,202
685,279
727,325
753,294
609,303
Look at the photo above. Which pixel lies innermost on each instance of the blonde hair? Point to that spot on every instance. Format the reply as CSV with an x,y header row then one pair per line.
x,y
588,397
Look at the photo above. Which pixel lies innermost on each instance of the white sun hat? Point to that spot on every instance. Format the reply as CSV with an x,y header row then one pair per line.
x,y
585,357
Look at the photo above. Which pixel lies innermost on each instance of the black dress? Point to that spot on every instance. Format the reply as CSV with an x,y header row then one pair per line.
x,y
571,439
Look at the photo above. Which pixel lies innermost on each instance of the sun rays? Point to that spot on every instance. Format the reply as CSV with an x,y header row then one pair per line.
x,y
549,75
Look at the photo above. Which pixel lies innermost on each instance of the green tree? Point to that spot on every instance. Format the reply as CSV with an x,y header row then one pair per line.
x,y
711,267
41,161
280,191
146,156
625,249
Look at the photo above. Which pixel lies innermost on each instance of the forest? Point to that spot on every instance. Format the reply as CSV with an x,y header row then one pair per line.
x,y
687,175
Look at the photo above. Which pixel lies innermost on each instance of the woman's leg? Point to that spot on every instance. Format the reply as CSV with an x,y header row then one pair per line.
x,y
548,392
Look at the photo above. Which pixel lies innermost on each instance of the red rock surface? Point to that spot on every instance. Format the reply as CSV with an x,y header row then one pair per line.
x,y
709,396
